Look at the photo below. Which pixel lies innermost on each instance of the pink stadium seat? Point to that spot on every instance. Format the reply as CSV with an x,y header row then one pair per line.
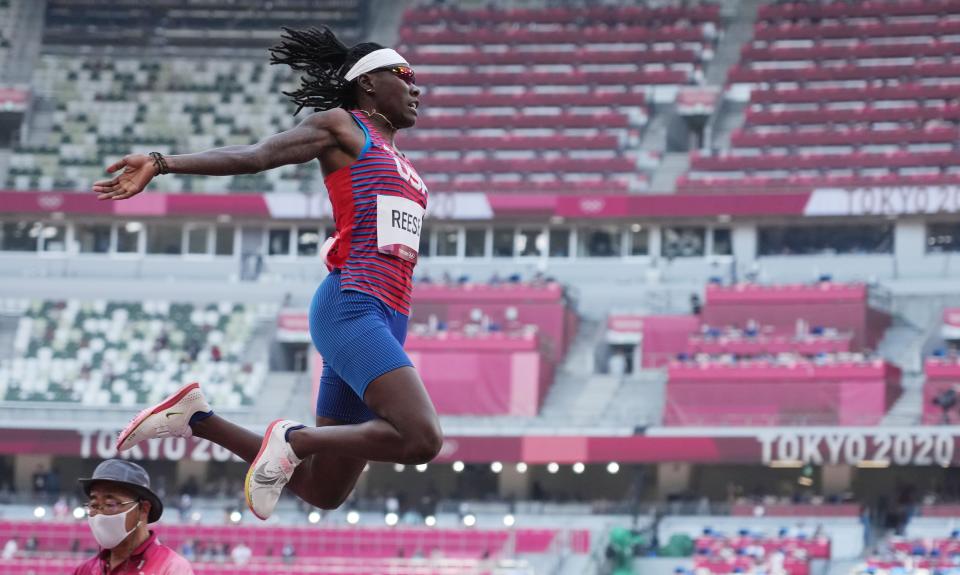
x,y
811,10
470,143
585,35
906,91
857,137
686,184
554,78
594,100
628,15
812,73
911,114
818,53
607,120
728,162
786,31
579,56
592,186
600,166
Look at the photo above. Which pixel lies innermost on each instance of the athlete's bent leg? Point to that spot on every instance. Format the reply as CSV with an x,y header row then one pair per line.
x,y
408,430
322,480
325,480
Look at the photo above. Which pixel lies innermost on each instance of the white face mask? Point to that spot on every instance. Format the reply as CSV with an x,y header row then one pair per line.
x,y
108,530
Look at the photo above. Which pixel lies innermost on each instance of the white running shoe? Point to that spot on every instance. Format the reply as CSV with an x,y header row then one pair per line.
x,y
169,418
271,470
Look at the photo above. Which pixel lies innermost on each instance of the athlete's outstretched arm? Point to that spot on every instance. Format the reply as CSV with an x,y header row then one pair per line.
x,y
316,134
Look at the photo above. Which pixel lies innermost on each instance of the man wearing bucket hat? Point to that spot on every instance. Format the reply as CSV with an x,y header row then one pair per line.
x,y
119,506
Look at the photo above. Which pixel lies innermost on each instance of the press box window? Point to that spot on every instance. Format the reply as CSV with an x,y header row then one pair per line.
x,y
447,242
128,237
308,242
683,242
92,238
559,243
722,242
531,242
475,244
20,236
278,242
639,240
825,239
599,242
943,237
502,242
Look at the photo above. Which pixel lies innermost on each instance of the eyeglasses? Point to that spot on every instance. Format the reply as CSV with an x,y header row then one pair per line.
x,y
109,508
405,73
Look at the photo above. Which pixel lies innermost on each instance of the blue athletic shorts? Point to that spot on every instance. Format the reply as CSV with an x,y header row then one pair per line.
x,y
360,339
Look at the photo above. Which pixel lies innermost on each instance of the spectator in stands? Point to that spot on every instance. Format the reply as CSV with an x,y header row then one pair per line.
x,y
187,550
120,506
39,480
241,554
289,553
695,305
185,505
10,548
31,545
60,509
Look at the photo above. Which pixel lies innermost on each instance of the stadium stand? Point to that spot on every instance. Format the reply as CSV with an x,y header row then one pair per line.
x,y
940,388
109,107
842,96
209,24
747,552
97,353
6,22
773,355
584,80
483,349
316,551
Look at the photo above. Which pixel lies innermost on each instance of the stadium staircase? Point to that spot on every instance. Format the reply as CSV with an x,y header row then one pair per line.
x,y
665,177
735,36
902,345
727,117
25,41
579,395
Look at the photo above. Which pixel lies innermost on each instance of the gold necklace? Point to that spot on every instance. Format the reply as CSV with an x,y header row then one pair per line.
x,y
385,119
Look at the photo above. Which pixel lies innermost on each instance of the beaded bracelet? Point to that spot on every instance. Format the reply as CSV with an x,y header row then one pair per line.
x,y
159,162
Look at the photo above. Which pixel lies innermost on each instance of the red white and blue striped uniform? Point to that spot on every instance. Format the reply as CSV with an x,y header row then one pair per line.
x,y
353,191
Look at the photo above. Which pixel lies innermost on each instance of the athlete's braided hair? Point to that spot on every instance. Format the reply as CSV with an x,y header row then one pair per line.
x,y
324,60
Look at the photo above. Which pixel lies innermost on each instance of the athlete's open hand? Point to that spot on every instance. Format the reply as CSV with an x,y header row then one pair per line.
x,y
138,170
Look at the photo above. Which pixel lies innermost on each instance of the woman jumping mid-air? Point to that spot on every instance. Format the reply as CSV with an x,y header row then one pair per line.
x,y
372,404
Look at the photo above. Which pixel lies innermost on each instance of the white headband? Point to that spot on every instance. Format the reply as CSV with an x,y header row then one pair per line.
x,y
375,60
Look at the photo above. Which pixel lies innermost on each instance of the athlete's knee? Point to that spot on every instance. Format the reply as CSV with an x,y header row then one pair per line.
x,y
422,443
327,501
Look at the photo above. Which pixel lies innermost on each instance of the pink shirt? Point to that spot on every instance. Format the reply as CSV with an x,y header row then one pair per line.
x,y
150,558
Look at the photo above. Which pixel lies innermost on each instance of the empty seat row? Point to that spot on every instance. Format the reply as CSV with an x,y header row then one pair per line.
x,y
564,120
625,15
915,113
787,31
699,184
580,36
464,143
811,73
878,9
580,56
727,162
856,138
